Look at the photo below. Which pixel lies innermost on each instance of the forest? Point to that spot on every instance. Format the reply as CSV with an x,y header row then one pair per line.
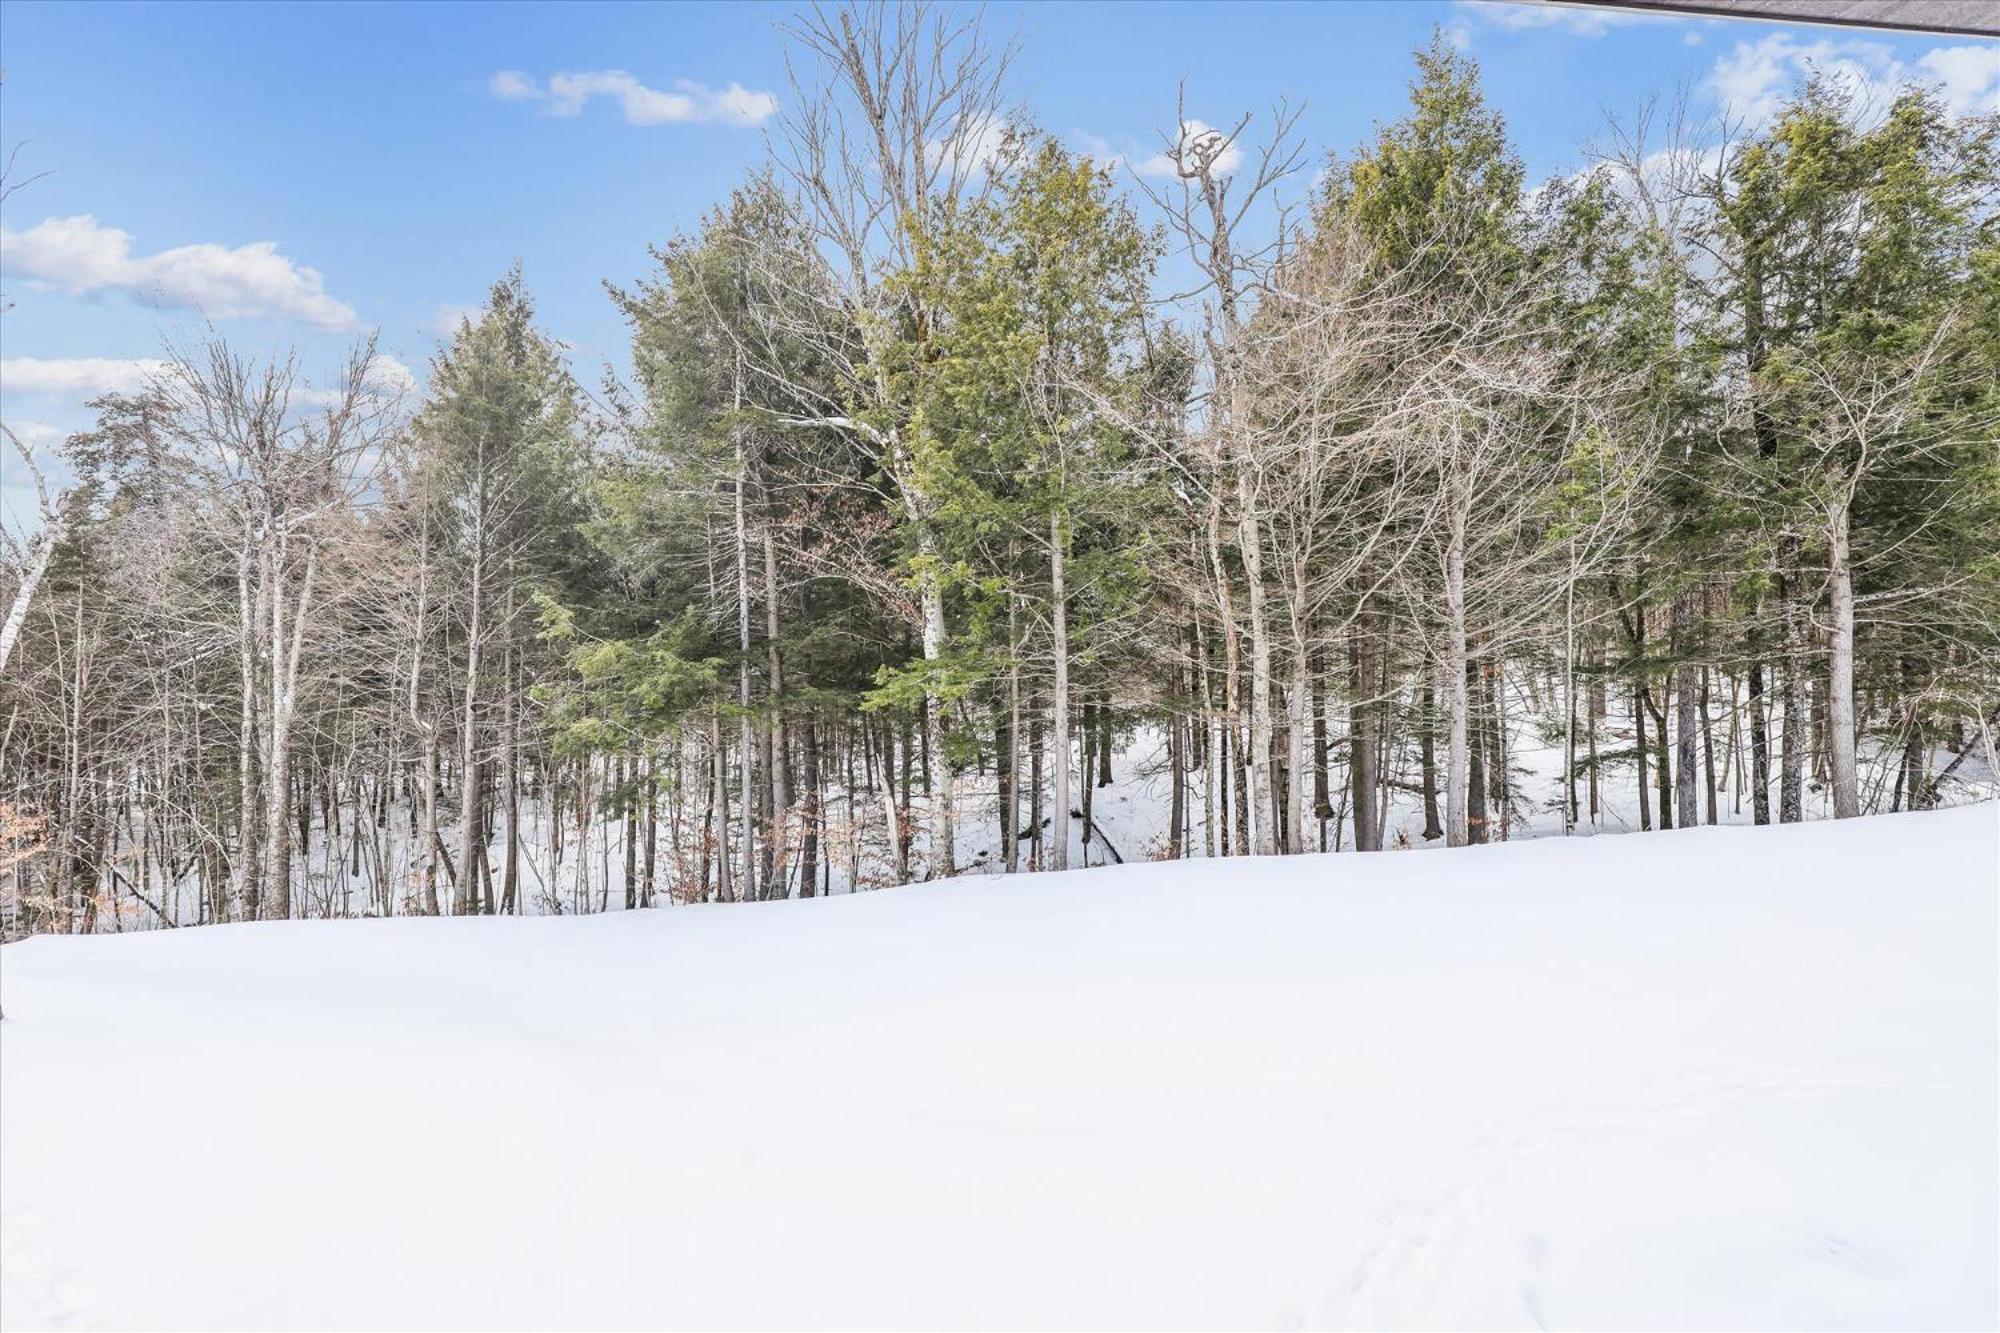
x,y
953,464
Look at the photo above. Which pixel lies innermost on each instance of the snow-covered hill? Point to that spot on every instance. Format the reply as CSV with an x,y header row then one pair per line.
x,y
1720,1077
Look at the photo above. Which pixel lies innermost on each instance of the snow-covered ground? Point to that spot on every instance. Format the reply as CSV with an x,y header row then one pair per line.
x,y
1722,1077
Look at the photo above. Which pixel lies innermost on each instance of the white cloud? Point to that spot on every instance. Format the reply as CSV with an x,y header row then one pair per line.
x,y
1098,150
78,378
687,103
1196,135
978,146
446,318
1967,76
1522,15
511,85
36,435
1752,80
385,377
81,256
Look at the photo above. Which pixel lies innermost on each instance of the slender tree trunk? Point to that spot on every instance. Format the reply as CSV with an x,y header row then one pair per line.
x,y
1569,696
1707,748
1037,850
510,772
1791,741
746,740
1086,789
944,858
1176,768
287,647
1639,733
1059,701
779,768
809,849
1760,747
1687,720
1458,752
1427,742
1840,719
1263,792
1322,778
1478,744
1663,762
40,550
247,854
1212,762
1010,745
470,788
719,795
1500,794
628,784
1363,780
1295,752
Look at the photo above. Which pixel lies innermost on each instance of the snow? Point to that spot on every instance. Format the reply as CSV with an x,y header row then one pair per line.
x,y
1131,817
1721,1077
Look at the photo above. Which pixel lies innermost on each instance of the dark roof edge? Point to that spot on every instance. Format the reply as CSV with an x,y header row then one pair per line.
x,y
1961,18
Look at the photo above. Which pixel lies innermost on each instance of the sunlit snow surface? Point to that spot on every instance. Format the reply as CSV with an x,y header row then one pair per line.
x,y
1713,1078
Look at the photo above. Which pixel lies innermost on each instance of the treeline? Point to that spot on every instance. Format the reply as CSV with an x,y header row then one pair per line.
x,y
934,489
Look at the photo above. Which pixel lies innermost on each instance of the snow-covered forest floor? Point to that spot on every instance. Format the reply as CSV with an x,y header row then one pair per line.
x,y
1130,820
1719,1077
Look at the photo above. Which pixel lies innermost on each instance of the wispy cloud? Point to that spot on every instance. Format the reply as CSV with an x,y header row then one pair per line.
x,y
1968,76
1752,80
976,145
76,378
1098,149
1526,15
80,379
35,435
385,377
1195,134
687,103
82,256
446,318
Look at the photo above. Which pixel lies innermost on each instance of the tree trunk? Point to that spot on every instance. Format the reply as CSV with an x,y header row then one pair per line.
x,y
1791,741
1760,748
1363,781
1427,741
287,646
1707,750
510,775
809,838
1458,757
469,775
944,858
40,550
746,740
1263,792
1478,745
1059,700
1211,766
1295,753
1840,671
719,813
247,855
1177,769
1687,720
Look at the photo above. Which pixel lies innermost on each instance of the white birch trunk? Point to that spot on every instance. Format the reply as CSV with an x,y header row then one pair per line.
x,y
1458,754
1840,672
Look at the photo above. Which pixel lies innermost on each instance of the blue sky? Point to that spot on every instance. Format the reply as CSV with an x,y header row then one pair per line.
x,y
365,149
